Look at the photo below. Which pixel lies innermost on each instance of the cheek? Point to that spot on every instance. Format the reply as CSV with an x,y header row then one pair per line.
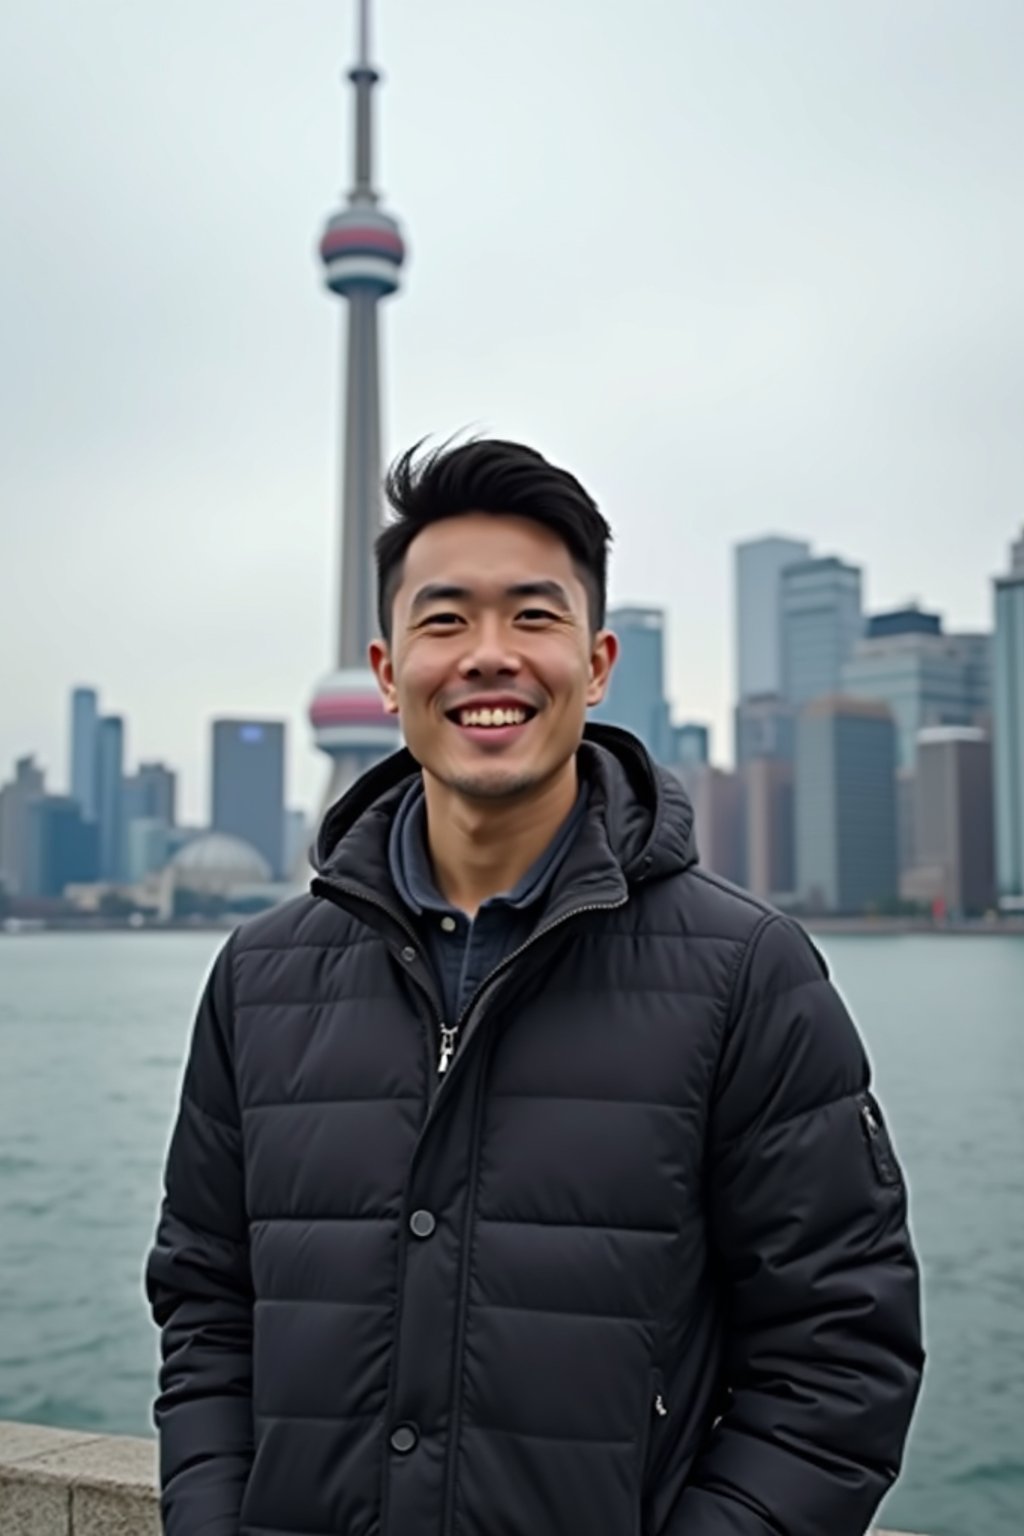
x,y
420,675
566,672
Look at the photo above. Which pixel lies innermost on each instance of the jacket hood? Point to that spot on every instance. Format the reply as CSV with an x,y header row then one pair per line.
x,y
644,815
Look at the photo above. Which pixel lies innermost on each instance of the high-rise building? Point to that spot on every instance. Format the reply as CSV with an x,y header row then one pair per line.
x,y
110,816
248,785
61,846
636,691
846,851
691,745
927,678
769,870
822,620
759,564
954,834
1008,729
82,777
27,786
363,252
765,728
765,746
974,653
902,621
717,800
147,847
151,794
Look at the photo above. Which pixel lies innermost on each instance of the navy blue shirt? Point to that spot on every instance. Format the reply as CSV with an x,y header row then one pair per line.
x,y
465,951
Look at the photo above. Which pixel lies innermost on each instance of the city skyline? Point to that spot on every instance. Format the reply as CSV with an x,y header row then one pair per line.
x,y
824,808
831,343
196,800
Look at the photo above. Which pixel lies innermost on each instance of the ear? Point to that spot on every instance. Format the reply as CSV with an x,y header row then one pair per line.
x,y
603,657
384,672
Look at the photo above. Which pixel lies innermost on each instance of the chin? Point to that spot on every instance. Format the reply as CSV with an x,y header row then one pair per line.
x,y
493,783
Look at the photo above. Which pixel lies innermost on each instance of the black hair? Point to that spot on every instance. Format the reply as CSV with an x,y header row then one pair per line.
x,y
489,475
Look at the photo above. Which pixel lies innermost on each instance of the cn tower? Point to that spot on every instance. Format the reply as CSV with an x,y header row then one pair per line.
x,y
362,251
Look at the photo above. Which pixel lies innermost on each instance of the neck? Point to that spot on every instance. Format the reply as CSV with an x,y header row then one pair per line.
x,y
479,848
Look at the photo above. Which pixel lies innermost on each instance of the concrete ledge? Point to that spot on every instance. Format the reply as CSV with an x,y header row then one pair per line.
x,y
57,1482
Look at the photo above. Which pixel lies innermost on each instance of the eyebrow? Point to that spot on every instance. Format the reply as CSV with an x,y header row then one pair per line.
x,y
443,592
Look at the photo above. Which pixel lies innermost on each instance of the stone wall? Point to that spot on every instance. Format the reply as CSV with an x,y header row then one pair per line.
x,y
56,1482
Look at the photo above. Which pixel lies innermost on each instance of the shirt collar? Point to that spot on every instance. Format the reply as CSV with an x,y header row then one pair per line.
x,y
413,875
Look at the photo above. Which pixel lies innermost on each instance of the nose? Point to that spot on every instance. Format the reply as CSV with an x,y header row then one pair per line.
x,y
490,651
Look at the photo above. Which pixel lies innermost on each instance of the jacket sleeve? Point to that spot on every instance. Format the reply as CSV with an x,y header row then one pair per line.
x,y
807,1210
199,1287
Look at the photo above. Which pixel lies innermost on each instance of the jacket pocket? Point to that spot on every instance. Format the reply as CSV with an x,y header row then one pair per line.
x,y
883,1154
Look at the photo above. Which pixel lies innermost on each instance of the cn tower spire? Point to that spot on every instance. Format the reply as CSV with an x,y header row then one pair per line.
x,y
363,252
364,77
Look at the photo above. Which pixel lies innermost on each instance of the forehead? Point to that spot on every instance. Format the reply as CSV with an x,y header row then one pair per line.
x,y
479,549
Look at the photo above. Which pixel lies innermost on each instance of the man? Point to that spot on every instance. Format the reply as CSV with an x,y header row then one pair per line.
x,y
527,1179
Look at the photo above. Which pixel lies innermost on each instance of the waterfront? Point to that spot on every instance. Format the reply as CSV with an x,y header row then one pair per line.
x,y
92,1034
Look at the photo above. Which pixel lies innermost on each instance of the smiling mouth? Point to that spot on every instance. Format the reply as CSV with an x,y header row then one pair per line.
x,y
501,717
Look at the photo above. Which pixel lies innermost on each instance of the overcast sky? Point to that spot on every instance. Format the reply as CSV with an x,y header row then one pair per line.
x,y
743,265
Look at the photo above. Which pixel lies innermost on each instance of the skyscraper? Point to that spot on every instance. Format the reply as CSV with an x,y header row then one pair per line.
x,y
822,620
926,677
974,653
82,777
151,794
765,728
691,745
759,564
953,804
248,785
363,252
636,693
1008,728
61,846
768,827
717,799
846,854
110,797
765,749
27,786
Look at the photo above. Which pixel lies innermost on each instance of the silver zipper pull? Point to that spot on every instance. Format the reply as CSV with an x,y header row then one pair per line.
x,y
869,1119
448,1038
660,1407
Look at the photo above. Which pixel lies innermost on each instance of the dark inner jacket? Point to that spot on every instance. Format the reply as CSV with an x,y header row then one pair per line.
x,y
638,1263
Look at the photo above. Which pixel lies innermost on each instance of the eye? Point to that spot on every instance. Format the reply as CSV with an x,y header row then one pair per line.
x,y
537,616
441,620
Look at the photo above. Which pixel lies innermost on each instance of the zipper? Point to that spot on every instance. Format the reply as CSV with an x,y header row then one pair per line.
x,y
449,1040
450,1037
445,1035
657,1410
880,1145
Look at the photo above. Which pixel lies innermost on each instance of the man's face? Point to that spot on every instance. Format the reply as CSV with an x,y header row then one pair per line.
x,y
492,663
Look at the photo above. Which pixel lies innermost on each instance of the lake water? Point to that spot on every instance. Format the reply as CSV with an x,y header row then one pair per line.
x,y
92,1034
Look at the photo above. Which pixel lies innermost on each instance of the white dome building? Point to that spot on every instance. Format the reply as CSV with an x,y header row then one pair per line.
x,y
218,865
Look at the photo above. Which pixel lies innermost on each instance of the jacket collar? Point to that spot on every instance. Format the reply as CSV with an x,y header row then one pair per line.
x,y
638,827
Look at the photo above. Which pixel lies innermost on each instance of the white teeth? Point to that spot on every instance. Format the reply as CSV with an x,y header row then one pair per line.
x,y
492,717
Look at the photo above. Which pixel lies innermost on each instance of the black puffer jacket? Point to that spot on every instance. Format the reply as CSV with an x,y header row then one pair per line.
x,y
638,1265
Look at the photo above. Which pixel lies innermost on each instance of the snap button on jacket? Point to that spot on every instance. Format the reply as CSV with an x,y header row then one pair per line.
x,y
636,1265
